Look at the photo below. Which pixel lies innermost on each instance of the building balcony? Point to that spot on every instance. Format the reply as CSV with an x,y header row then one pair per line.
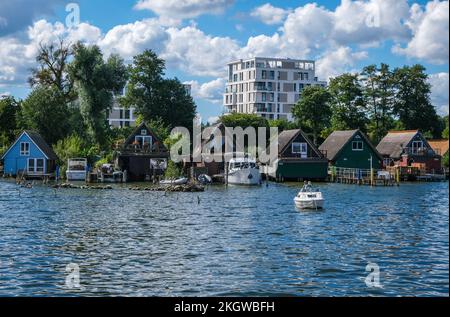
x,y
420,151
146,149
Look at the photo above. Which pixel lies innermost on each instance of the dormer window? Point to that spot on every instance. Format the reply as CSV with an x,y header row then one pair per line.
x,y
357,146
24,149
300,148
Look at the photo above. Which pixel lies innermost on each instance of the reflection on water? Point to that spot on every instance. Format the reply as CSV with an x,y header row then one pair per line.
x,y
236,241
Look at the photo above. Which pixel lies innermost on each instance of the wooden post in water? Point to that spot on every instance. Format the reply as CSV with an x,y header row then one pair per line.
x,y
226,173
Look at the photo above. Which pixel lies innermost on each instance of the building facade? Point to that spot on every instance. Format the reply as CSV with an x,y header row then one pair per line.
x,y
269,87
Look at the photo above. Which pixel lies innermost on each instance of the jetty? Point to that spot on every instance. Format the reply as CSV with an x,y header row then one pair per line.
x,y
358,176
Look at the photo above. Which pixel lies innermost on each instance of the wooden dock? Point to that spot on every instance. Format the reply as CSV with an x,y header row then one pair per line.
x,y
358,176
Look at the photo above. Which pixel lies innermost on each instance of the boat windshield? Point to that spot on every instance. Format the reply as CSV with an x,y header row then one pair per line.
x,y
77,165
308,188
243,165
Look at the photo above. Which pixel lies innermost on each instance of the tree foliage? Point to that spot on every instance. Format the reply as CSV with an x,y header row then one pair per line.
x,y
156,97
347,103
45,111
51,71
445,132
96,82
9,109
313,110
243,120
412,98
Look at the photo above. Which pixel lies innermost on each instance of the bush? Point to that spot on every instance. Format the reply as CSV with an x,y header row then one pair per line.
x,y
445,160
172,171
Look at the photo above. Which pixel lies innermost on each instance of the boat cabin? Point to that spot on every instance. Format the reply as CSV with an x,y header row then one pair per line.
x,y
298,159
409,149
351,149
143,156
30,157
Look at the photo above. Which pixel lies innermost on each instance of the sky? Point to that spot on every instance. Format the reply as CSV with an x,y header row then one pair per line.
x,y
197,38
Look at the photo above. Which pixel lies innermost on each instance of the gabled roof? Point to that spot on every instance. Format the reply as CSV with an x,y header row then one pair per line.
x,y
337,140
439,146
39,141
137,130
286,137
394,142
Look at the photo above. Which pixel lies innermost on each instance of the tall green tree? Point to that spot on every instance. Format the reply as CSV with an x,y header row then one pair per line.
x,y
52,60
347,103
9,109
386,94
371,94
96,82
156,97
313,110
412,99
45,111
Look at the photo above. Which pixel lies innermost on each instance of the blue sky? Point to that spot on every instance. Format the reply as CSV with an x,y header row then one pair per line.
x,y
198,37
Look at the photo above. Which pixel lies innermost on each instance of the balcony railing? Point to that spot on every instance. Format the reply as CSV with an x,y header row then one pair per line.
x,y
422,151
142,149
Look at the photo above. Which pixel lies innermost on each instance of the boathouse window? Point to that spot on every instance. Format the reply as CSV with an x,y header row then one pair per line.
x,y
143,140
35,165
24,149
357,146
300,148
417,146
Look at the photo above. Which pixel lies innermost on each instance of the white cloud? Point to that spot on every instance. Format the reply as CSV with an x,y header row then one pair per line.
x,y
17,54
439,91
131,39
370,22
430,28
269,14
338,61
183,9
213,120
336,38
197,53
211,91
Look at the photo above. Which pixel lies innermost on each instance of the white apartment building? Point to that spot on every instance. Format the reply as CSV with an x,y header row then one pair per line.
x,y
269,87
120,117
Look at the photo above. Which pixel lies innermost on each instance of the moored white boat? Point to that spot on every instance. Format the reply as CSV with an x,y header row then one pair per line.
x,y
309,198
76,169
243,171
177,181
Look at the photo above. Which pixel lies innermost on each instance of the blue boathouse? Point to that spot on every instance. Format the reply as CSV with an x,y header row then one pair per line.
x,y
29,156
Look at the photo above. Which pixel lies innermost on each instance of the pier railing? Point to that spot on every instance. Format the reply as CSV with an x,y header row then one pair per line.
x,y
361,176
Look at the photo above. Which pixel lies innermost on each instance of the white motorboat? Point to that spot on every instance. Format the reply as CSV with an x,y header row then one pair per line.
x,y
243,171
177,181
76,169
309,198
107,174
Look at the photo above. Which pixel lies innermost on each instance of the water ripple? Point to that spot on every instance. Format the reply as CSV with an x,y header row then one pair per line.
x,y
237,241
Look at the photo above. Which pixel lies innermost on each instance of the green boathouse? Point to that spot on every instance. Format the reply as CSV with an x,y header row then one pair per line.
x,y
351,149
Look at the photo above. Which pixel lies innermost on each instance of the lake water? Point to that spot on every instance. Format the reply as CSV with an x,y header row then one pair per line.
x,y
224,241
